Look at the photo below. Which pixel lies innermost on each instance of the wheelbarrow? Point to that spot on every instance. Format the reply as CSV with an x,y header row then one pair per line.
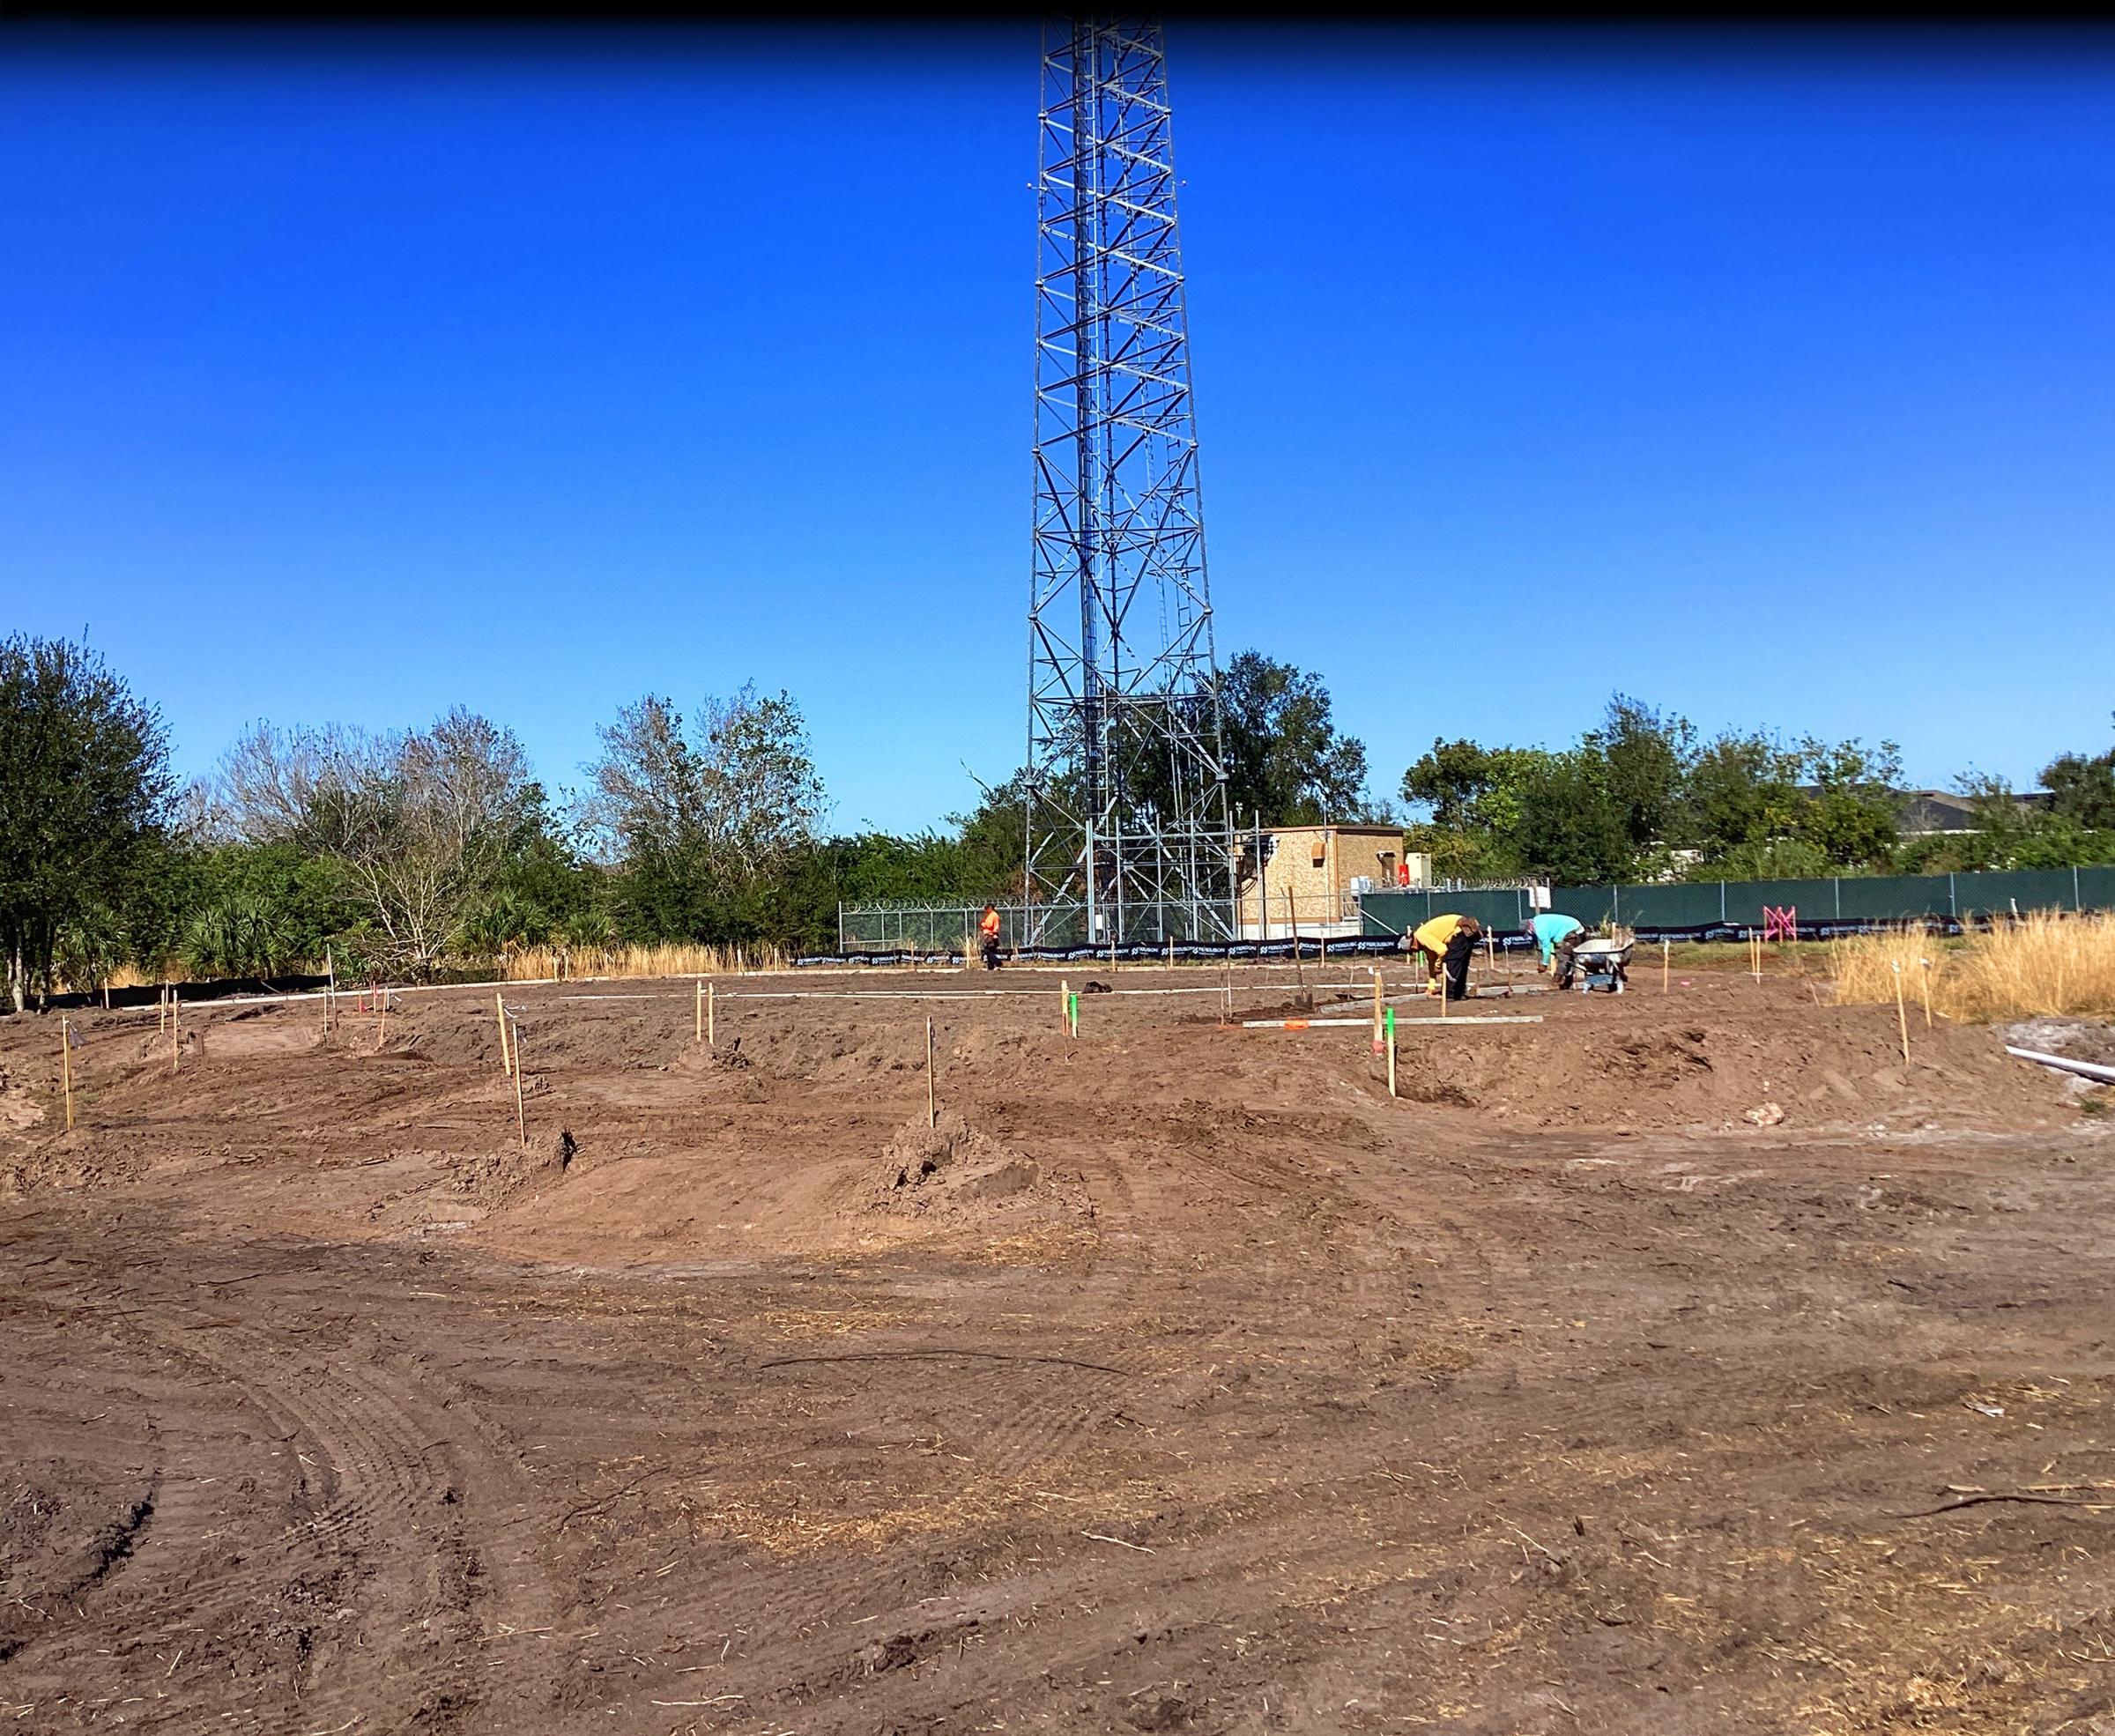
x,y
1604,964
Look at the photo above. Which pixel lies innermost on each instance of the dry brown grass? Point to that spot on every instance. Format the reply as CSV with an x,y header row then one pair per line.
x,y
1947,1646
2046,963
542,963
803,1324
533,964
787,1517
1046,1245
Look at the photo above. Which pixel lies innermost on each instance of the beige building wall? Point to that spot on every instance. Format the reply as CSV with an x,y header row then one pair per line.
x,y
1317,864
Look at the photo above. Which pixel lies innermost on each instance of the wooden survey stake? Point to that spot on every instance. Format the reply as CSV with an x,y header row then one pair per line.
x,y
521,1115
66,1066
499,1011
932,1105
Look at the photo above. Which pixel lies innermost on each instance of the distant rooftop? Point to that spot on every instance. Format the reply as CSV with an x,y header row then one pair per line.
x,y
1352,828
1927,813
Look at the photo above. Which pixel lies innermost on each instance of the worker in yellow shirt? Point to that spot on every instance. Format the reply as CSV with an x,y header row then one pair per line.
x,y
1446,943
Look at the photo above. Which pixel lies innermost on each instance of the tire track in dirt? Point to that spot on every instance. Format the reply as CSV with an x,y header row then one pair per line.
x,y
395,1475
309,1531
1050,1409
203,1578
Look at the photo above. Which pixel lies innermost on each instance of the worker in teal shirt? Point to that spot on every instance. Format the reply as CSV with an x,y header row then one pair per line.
x,y
1553,932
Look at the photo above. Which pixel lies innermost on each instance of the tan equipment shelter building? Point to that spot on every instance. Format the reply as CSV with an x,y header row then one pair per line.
x,y
1323,868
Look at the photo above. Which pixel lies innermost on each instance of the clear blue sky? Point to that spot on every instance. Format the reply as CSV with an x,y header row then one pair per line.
x,y
1768,380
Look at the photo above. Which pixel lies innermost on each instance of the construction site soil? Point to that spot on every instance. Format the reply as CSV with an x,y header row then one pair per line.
x,y
1684,1362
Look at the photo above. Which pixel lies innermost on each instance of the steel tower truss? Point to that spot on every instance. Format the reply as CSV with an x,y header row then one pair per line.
x,y
1128,833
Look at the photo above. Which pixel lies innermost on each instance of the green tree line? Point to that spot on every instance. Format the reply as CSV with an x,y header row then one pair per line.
x,y
1644,795
421,851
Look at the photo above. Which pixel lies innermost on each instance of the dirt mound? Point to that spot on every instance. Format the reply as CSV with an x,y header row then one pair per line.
x,y
926,1167
1301,1006
1642,1065
842,1053
18,1111
154,1045
556,1035
493,1179
878,1050
698,1060
1663,1061
1435,1091
243,1034
985,1048
960,1172
75,1160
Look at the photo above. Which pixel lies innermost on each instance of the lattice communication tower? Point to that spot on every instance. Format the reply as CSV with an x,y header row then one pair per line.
x,y
1128,832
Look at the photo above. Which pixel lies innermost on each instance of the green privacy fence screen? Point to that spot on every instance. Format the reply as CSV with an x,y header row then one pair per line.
x,y
1738,905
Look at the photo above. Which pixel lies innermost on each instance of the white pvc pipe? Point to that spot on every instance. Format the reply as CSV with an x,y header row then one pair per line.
x,y
726,994
2091,1070
1474,1018
1367,1024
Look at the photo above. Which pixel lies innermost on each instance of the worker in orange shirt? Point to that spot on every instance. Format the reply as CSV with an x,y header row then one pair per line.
x,y
1446,943
987,926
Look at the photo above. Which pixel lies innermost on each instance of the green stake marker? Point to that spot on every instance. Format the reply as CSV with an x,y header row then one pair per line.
x,y
1071,1012
1388,1022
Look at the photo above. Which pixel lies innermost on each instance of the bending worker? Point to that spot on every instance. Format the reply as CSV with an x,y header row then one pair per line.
x,y
1447,944
1556,937
987,927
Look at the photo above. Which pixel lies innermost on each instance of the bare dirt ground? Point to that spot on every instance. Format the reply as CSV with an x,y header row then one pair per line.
x,y
1681,1363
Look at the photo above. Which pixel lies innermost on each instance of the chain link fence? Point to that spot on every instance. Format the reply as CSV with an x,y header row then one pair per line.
x,y
894,928
922,928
